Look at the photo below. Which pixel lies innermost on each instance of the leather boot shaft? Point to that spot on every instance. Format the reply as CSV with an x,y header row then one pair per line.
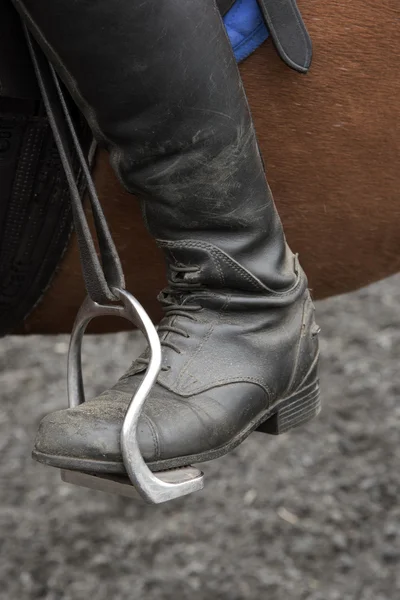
x,y
160,88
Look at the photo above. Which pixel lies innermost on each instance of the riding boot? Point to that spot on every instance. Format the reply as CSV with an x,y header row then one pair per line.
x,y
160,89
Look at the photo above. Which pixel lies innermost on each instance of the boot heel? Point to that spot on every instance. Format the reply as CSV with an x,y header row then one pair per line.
x,y
296,410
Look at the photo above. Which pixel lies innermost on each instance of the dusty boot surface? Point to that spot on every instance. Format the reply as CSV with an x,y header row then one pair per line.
x,y
160,88
216,387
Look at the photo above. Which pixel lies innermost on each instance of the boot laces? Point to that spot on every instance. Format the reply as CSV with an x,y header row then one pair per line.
x,y
172,304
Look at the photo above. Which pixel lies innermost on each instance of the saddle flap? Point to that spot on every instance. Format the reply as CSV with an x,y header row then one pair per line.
x,y
289,32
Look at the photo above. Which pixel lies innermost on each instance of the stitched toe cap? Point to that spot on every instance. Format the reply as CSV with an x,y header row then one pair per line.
x,y
91,432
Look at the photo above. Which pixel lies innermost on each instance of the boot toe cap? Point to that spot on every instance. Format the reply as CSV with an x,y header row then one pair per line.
x,y
90,435
173,430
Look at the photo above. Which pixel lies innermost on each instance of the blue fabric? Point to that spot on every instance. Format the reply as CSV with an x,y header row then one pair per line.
x,y
246,28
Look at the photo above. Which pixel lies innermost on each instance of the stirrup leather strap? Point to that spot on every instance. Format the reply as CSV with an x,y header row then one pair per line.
x,y
100,275
290,35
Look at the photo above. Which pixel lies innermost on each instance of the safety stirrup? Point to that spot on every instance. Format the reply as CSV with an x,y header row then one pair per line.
x,y
105,285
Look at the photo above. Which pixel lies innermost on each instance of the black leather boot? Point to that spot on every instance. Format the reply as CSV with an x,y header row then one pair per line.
x,y
159,86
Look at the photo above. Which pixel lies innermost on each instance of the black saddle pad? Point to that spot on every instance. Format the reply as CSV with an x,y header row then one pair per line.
x,y
35,213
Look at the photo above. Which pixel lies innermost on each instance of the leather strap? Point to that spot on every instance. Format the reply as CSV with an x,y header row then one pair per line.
x,y
100,276
289,32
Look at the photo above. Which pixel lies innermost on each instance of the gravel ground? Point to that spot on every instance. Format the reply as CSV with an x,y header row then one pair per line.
x,y
310,515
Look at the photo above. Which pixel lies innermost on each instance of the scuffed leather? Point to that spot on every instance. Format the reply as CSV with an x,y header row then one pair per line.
x,y
160,88
188,412
142,77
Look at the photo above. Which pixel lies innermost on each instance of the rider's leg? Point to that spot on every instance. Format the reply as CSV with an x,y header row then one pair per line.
x,y
159,86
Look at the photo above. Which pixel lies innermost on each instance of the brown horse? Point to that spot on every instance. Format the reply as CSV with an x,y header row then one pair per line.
x,y
331,142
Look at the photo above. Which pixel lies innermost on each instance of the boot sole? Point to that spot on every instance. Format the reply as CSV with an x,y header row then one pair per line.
x,y
287,414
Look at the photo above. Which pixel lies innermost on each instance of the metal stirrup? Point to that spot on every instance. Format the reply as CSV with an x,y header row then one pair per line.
x,y
105,283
